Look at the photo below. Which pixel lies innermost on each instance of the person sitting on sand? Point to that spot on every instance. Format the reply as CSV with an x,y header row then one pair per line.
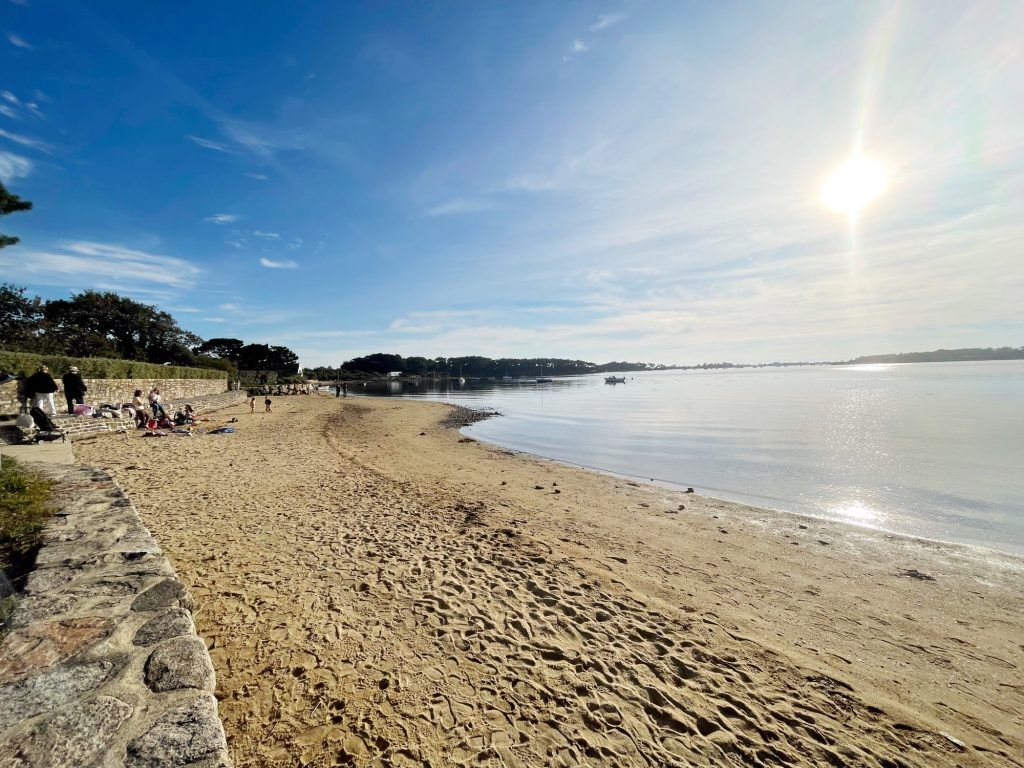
x,y
252,405
266,405
139,409
185,416
156,405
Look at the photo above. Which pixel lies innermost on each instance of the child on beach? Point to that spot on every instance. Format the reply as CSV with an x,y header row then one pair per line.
x,y
266,403
252,405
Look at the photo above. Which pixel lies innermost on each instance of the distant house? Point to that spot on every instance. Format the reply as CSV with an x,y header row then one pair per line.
x,y
394,374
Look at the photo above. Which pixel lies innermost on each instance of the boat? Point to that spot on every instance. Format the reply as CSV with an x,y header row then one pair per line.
x,y
614,379
544,380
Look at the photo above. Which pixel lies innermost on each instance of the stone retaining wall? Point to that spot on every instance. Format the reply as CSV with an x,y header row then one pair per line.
x,y
120,390
103,666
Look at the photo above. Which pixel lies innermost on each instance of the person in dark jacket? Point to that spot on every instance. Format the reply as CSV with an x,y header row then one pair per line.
x,y
39,388
74,388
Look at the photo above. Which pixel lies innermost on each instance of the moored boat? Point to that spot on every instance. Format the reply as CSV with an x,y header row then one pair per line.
x,y
614,379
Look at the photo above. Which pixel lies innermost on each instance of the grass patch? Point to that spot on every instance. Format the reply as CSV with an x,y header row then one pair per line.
x,y
25,508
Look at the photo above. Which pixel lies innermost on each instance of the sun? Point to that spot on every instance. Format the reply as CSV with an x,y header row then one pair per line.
x,y
854,184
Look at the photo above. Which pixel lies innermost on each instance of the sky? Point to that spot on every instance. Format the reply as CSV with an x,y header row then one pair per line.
x,y
602,180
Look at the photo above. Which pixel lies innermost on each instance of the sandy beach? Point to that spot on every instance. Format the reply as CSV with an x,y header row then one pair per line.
x,y
378,590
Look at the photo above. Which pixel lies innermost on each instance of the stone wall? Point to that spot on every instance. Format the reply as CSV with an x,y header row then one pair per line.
x,y
120,391
103,666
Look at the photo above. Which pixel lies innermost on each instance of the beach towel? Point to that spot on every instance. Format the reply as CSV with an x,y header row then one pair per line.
x,y
83,410
222,431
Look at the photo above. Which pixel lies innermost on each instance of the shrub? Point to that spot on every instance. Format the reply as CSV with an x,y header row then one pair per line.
x,y
257,378
102,367
24,509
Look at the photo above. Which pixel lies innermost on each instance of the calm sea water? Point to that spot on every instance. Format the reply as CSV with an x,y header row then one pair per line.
x,y
933,450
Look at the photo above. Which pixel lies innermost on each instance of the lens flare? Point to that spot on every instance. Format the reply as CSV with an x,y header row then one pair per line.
x,y
854,184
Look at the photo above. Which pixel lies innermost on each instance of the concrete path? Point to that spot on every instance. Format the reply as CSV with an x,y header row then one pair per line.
x,y
50,453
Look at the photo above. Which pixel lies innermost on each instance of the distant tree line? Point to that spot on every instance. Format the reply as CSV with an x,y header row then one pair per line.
x,y
943,356
104,324
473,366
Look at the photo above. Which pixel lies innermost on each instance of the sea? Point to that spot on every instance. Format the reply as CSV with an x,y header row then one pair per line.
x,y
934,450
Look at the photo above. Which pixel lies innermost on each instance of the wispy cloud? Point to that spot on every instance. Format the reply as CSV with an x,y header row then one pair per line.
x,y
462,205
79,262
271,264
14,166
26,141
258,176
216,146
222,218
18,42
606,20
16,109
603,22
266,235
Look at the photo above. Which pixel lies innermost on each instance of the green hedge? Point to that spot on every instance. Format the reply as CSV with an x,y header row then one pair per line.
x,y
102,368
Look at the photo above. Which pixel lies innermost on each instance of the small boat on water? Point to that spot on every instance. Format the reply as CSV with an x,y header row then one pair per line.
x,y
544,380
614,379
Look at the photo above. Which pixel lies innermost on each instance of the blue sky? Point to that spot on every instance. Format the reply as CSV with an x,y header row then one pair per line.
x,y
602,180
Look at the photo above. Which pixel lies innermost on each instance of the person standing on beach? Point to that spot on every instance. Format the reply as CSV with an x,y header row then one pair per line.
x,y
337,390
74,388
252,405
344,389
266,405
40,387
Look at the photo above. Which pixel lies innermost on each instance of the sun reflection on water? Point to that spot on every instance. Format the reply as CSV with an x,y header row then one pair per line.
x,y
857,512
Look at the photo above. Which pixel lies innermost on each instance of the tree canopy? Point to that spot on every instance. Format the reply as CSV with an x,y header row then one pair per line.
x,y
105,324
10,203
20,317
221,348
95,324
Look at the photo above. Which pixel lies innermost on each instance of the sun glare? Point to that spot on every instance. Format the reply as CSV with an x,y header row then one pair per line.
x,y
854,184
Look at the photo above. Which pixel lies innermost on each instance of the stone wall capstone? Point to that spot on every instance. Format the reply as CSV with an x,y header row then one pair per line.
x,y
102,666
119,391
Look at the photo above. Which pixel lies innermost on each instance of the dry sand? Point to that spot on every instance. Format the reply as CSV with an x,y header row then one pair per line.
x,y
377,590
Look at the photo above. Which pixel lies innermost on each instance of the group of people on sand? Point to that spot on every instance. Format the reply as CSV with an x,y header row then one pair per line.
x,y
152,409
38,390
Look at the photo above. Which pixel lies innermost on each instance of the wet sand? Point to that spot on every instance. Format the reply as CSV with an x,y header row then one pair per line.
x,y
376,589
